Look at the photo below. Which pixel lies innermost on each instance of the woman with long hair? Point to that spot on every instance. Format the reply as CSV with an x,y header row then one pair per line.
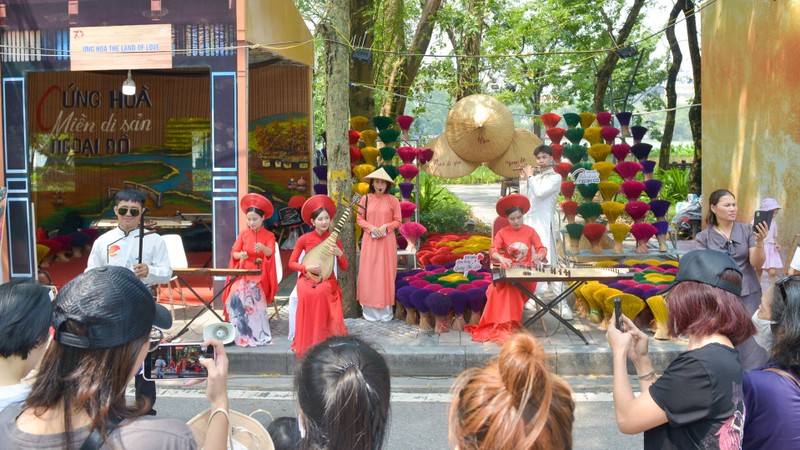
x,y
343,390
697,402
745,244
516,243
103,321
378,216
247,300
319,302
513,402
772,392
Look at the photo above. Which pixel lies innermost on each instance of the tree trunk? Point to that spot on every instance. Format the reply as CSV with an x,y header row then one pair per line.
x,y
468,66
402,78
362,99
340,184
672,96
695,116
602,76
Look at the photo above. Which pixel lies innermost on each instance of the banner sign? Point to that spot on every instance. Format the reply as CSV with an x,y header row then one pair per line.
x,y
122,47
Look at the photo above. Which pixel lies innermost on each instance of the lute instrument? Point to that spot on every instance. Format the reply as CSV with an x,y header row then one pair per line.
x,y
322,253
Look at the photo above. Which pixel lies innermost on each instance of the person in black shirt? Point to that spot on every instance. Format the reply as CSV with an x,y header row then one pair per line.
x,y
698,400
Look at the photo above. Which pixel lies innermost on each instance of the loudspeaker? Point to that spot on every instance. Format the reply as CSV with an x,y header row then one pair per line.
x,y
222,332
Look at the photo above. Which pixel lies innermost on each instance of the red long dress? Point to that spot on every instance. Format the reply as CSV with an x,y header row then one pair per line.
x,y
319,305
268,279
503,313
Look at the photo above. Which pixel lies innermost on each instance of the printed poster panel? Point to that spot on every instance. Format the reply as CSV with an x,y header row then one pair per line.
x,y
127,47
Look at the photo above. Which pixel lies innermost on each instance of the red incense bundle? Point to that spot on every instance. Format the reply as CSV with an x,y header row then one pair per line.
x,y
637,210
550,119
632,189
555,135
567,189
594,232
642,232
570,209
628,169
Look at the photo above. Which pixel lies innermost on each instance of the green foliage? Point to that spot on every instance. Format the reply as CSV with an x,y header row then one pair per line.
x,y
431,193
675,187
448,218
481,175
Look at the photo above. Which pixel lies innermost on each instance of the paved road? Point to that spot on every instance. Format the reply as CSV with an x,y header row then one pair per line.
x,y
419,411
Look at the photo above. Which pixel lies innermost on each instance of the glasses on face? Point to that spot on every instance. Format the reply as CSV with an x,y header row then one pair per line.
x,y
156,336
783,281
125,210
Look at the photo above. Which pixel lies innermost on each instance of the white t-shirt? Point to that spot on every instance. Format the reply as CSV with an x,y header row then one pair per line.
x,y
15,393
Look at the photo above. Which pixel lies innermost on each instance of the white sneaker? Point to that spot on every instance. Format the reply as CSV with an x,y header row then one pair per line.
x,y
530,305
566,311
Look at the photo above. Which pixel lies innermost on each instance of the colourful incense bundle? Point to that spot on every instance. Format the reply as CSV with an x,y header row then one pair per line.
x,y
642,232
574,231
599,152
555,135
402,244
604,118
407,154
369,137
406,188
424,155
587,191
477,301
638,132
320,189
660,208
608,189
418,299
389,136
353,137
590,211
604,169
403,296
370,155
609,134
387,153
440,306
550,119
382,122
567,189
412,231
624,119
391,171
661,234
594,232
595,310
408,171
570,209
358,123
407,209
361,188
355,155
321,172
362,170
587,119
632,189
572,120
637,210
579,167
460,302
620,232
620,151
628,169
612,210
631,305
558,150
574,135
563,168
602,296
660,313
652,188
647,169
641,151
405,124
592,135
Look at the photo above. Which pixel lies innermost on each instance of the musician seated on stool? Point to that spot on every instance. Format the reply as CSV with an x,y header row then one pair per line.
x,y
120,246
514,244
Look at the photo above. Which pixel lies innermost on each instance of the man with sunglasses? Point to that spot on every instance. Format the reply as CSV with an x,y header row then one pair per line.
x,y
120,247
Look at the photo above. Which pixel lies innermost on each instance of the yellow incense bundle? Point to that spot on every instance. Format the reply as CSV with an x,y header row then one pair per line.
x,y
592,134
612,210
660,312
598,151
604,169
620,232
369,137
608,189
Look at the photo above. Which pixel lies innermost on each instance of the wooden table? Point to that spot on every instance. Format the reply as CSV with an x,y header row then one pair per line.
x,y
232,274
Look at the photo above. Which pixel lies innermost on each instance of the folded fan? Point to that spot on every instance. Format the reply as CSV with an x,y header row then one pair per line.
x,y
389,136
558,150
574,231
408,171
652,188
555,135
570,209
620,232
358,123
592,135
612,210
369,137
550,119
660,208
353,137
604,118
604,169
574,135
594,232
567,189
660,312
620,151
637,210
587,191
407,154
624,119
661,234
608,189
642,232
638,132
382,122
572,120
632,189
641,150
609,133
599,151
590,211
370,155
563,168
628,169
587,119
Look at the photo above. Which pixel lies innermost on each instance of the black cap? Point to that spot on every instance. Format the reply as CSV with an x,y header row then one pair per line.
x,y
706,266
113,303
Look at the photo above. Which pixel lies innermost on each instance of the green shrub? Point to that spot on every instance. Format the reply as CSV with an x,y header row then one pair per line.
x,y
481,175
451,218
675,185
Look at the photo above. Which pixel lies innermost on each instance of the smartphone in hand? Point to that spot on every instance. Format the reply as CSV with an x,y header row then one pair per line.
x,y
618,312
174,361
762,216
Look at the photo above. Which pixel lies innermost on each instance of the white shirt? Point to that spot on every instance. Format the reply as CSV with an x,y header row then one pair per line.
x,y
542,190
114,248
13,394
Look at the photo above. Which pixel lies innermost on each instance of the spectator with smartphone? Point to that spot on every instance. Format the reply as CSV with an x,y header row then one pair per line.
x,y
103,321
697,402
772,250
25,311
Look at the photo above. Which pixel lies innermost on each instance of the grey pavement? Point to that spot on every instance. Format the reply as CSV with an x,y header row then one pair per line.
x,y
413,352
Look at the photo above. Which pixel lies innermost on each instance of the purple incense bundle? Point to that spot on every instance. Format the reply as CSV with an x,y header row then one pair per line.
x,y
406,188
660,208
321,172
641,150
638,133
460,302
440,306
648,167
320,189
652,188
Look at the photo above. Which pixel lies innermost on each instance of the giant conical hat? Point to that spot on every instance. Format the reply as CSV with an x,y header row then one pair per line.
x,y
519,153
445,162
479,128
